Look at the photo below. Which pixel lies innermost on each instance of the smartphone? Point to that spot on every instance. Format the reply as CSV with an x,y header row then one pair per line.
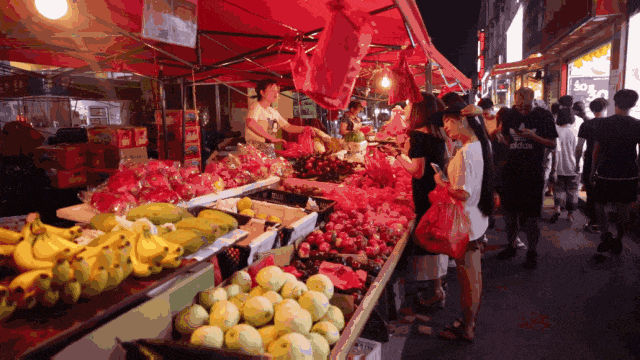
x,y
437,169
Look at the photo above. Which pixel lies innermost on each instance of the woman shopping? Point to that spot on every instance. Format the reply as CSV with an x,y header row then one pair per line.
x,y
470,174
425,145
263,121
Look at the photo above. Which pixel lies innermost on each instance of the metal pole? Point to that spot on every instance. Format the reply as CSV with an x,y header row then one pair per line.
x,y
428,82
183,97
70,113
218,112
165,139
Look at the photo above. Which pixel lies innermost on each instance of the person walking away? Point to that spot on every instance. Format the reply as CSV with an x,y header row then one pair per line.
x,y
350,121
426,145
263,121
567,179
615,170
470,174
529,131
599,108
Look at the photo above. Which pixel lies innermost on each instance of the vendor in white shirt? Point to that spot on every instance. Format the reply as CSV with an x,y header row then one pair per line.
x,y
263,121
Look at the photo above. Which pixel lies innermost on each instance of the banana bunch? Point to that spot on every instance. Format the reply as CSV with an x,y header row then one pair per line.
x,y
151,253
55,268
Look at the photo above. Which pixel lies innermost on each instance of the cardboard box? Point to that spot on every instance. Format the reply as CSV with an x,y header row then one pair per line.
x,y
192,150
174,117
193,162
110,157
61,157
98,176
122,138
67,179
140,136
174,133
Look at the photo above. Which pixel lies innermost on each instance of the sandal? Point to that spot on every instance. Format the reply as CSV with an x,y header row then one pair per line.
x,y
456,331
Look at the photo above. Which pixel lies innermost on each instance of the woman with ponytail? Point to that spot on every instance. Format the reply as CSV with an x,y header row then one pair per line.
x,y
470,179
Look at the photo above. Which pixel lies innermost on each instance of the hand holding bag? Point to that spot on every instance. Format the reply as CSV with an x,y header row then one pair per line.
x,y
444,229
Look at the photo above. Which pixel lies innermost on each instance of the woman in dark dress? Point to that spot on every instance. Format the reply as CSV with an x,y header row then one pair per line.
x,y
350,121
425,145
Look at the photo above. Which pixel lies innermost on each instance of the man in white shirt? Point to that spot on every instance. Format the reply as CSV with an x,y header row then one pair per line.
x,y
263,121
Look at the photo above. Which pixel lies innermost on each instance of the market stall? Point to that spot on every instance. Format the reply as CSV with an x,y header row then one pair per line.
x,y
341,204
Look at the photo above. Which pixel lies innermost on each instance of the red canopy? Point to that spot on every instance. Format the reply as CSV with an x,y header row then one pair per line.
x,y
239,40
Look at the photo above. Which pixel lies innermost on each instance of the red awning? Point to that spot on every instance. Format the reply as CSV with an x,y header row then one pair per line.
x,y
530,64
105,36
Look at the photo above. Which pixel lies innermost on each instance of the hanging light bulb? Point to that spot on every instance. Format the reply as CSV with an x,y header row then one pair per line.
x,y
52,9
385,82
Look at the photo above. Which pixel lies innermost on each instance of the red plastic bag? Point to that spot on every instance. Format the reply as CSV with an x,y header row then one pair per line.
x,y
444,229
404,83
335,64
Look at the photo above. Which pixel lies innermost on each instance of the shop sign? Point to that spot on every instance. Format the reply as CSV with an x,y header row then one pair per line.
x,y
587,89
170,21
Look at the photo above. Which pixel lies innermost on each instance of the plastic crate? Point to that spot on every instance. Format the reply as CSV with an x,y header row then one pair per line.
x,y
296,200
365,349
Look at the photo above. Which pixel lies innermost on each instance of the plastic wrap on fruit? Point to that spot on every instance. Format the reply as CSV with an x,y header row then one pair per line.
x,y
108,202
124,181
186,172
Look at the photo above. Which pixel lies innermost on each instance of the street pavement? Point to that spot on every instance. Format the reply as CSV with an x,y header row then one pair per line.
x,y
570,307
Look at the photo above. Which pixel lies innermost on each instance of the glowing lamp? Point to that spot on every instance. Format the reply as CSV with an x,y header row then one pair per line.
x,y
52,9
385,82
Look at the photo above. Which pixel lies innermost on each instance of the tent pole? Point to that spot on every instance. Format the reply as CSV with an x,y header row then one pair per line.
x,y
183,97
428,82
218,112
164,119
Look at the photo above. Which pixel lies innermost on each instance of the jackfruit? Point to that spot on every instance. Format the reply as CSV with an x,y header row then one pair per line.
x,y
224,220
159,213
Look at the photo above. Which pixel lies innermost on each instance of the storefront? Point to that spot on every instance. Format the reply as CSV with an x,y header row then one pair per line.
x,y
588,76
505,79
632,68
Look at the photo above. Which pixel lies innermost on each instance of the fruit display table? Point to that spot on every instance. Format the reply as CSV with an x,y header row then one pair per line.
x,y
41,332
154,318
83,213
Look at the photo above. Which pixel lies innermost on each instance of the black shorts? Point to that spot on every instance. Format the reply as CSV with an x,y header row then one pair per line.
x,y
527,199
616,191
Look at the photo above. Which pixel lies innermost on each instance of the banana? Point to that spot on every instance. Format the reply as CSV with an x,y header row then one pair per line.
x,y
81,269
156,268
116,275
71,233
50,297
138,268
148,250
23,256
9,237
45,249
127,268
124,252
7,250
64,243
62,272
30,280
112,239
71,292
173,248
7,306
97,283
171,261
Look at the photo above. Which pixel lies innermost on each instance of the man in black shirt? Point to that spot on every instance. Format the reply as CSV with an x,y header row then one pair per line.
x,y
614,170
529,132
599,109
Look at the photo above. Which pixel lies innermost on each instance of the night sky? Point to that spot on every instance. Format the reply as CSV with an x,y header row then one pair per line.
x,y
452,26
